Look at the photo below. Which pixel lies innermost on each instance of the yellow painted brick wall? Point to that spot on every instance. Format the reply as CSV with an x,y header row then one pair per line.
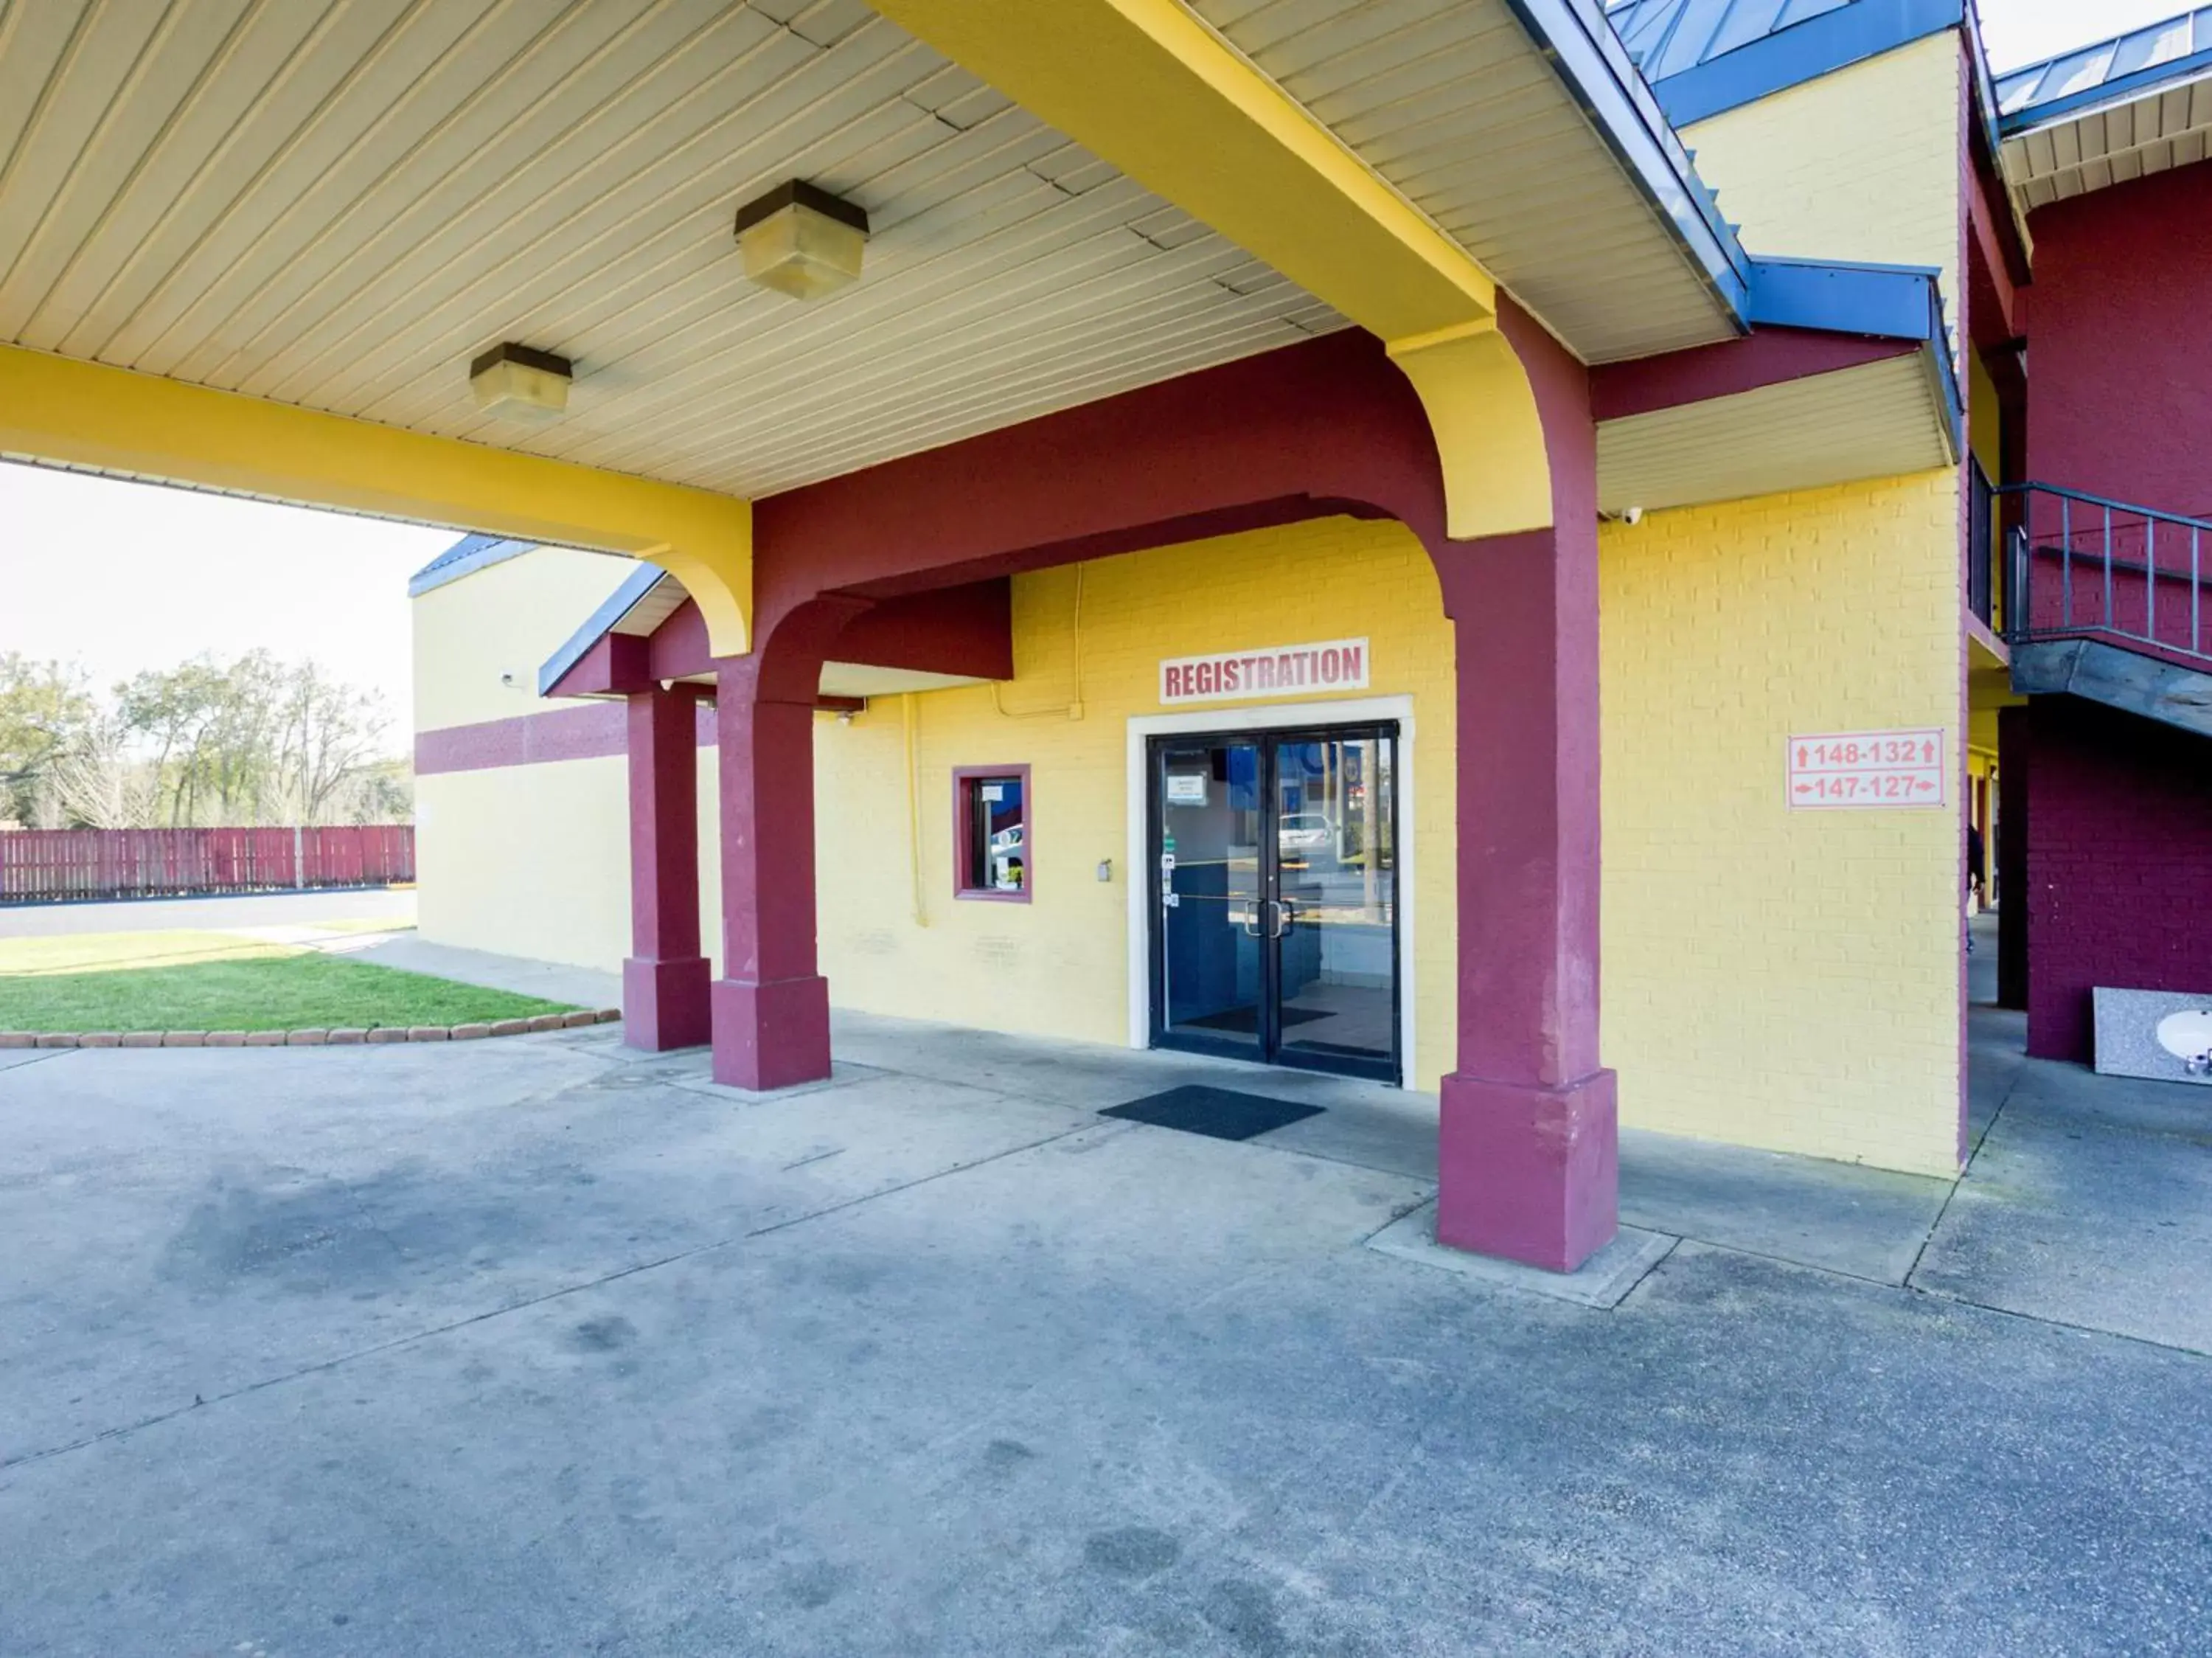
x,y
1861,164
534,861
505,618
1985,420
527,860
1781,979
1060,963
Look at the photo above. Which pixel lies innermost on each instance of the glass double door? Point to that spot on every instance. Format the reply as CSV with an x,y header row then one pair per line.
x,y
1274,887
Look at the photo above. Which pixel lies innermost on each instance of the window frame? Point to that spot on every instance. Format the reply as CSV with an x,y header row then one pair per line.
x,y
966,886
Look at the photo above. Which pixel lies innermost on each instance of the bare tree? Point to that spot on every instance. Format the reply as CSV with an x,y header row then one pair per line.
x,y
46,709
100,784
331,734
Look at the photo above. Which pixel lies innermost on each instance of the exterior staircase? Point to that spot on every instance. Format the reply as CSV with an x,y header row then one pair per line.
x,y
2106,601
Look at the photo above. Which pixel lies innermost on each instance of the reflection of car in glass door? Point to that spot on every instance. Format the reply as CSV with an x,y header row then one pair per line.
x,y
1303,835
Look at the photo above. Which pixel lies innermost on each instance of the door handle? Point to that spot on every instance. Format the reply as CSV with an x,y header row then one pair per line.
x,y
1250,920
1286,916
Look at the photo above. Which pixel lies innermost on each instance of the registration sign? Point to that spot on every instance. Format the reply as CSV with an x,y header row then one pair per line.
x,y
1867,771
1268,671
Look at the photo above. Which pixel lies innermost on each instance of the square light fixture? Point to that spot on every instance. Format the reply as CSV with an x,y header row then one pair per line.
x,y
801,241
520,382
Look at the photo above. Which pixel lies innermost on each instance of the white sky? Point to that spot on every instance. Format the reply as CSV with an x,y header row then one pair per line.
x,y
128,577
125,576
2018,32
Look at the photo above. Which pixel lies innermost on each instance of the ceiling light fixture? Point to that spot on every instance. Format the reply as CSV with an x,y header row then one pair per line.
x,y
801,241
519,383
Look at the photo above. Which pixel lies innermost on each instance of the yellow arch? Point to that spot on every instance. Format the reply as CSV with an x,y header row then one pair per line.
x,y
1489,432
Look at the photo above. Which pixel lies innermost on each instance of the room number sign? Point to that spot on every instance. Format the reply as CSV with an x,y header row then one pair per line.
x,y
1866,770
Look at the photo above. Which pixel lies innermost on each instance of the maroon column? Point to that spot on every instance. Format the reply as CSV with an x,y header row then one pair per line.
x,y
666,978
771,1006
1526,1165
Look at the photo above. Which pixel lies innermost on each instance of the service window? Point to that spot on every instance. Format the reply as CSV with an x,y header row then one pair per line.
x,y
991,831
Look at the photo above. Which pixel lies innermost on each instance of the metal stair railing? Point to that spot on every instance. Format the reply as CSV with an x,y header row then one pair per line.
x,y
2081,566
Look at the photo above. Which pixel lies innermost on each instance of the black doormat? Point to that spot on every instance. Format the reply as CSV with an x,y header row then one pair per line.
x,y
1348,1050
1245,1022
1219,1113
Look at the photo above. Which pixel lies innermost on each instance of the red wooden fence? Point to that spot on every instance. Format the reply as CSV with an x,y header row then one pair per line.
x,y
45,866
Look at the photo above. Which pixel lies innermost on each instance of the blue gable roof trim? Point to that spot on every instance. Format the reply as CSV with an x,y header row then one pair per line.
x,y
465,558
1711,60
619,604
1599,74
1887,302
1883,301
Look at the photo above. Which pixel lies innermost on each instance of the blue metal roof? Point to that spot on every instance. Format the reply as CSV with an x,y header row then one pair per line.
x,y
1667,36
1599,74
1706,55
2123,66
465,557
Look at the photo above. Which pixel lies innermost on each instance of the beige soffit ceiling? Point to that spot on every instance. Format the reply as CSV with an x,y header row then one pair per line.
x,y
859,679
2166,127
338,206
1452,102
1880,420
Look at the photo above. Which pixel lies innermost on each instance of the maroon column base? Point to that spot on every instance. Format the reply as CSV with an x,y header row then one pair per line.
x,y
664,1003
771,1035
1531,1174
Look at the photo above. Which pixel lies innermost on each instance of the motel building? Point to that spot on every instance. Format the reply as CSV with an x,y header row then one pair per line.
x,y
1494,547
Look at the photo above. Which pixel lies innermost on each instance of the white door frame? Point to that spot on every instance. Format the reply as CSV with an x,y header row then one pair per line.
x,y
1268,716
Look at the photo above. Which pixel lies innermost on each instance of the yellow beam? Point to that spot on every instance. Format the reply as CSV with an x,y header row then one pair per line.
x,y
1148,87
82,414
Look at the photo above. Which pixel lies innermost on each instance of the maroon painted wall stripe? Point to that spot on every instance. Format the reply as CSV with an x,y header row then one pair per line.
x,y
1770,357
558,734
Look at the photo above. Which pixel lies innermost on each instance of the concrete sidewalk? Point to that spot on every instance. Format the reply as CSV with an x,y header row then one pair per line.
x,y
555,982
543,1346
1865,1223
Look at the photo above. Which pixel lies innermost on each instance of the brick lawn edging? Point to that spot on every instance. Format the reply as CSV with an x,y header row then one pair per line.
x,y
346,1037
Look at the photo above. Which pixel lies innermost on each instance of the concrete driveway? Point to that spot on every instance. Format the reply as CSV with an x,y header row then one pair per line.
x,y
535,1346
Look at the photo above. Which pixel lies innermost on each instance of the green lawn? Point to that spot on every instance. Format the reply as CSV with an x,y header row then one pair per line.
x,y
105,952
187,981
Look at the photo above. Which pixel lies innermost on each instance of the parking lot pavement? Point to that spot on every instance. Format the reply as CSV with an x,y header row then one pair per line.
x,y
213,913
540,1346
